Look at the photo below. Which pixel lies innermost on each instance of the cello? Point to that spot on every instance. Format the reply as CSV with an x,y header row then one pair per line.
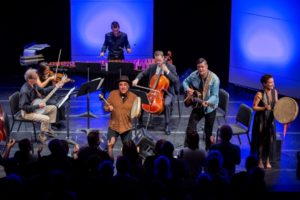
x,y
158,84
3,125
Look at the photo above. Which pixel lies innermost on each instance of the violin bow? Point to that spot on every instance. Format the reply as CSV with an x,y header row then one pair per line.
x,y
57,62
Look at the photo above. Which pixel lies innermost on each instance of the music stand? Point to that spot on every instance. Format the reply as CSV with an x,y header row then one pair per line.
x,y
120,67
88,67
86,89
142,94
66,100
144,100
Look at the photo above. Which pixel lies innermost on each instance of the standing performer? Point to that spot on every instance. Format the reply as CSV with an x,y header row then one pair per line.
x,y
263,130
205,85
115,41
120,103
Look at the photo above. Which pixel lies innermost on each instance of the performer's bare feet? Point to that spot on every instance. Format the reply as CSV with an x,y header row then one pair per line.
x,y
260,164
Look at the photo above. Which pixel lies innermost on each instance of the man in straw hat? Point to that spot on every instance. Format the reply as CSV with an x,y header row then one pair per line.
x,y
119,103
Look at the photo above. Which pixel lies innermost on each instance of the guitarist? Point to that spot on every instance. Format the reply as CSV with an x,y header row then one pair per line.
x,y
30,91
208,84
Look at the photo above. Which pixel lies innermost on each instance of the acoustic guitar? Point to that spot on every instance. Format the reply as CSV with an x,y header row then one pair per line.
x,y
194,100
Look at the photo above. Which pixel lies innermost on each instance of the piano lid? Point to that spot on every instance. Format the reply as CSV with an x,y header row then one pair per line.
x,y
31,50
32,54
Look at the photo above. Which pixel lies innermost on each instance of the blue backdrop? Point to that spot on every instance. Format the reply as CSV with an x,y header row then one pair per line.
x,y
91,19
265,38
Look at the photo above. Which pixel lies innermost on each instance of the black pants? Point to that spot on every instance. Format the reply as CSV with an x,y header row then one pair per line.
x,y
196,116
167,111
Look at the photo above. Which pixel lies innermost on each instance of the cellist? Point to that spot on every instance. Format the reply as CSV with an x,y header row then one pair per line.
x,y
160,67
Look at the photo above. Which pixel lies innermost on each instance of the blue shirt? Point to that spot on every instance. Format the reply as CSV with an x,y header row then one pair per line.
x,y
212,95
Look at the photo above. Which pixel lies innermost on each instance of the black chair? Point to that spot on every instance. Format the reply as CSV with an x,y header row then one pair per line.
x,y
16,113
242,122
176,98
222,109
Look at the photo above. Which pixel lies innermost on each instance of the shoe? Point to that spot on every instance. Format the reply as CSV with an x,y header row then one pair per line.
x,y
50,133
42,138
57,125
62,125
54,128
167,130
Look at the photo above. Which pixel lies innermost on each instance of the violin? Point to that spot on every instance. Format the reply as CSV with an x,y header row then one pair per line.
x,y
58,77
158,84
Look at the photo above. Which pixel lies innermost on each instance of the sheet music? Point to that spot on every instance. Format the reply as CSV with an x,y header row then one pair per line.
x,y
65,98
100,83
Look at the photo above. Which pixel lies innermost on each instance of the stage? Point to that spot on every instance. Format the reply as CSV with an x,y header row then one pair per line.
x,y
282,176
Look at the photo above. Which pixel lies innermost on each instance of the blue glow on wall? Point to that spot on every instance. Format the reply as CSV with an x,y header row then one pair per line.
x,y
265,38
91,19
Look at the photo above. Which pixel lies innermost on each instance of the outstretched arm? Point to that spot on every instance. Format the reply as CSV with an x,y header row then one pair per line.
x,y
8,147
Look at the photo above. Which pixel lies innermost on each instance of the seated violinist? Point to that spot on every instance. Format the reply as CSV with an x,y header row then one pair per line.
x,y
47,78
160,67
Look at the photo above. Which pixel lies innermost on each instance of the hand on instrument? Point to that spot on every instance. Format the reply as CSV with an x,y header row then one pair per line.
x,y
50,78
135,82
165,68
128,50
42,105
110,108
205,103
62,81
59,84
101,54
190,91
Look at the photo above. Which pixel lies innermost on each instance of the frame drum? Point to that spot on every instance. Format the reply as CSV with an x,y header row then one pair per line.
x,y
286,110
136,108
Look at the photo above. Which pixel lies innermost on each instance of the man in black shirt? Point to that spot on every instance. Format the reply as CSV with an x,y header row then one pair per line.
x,y
115,42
